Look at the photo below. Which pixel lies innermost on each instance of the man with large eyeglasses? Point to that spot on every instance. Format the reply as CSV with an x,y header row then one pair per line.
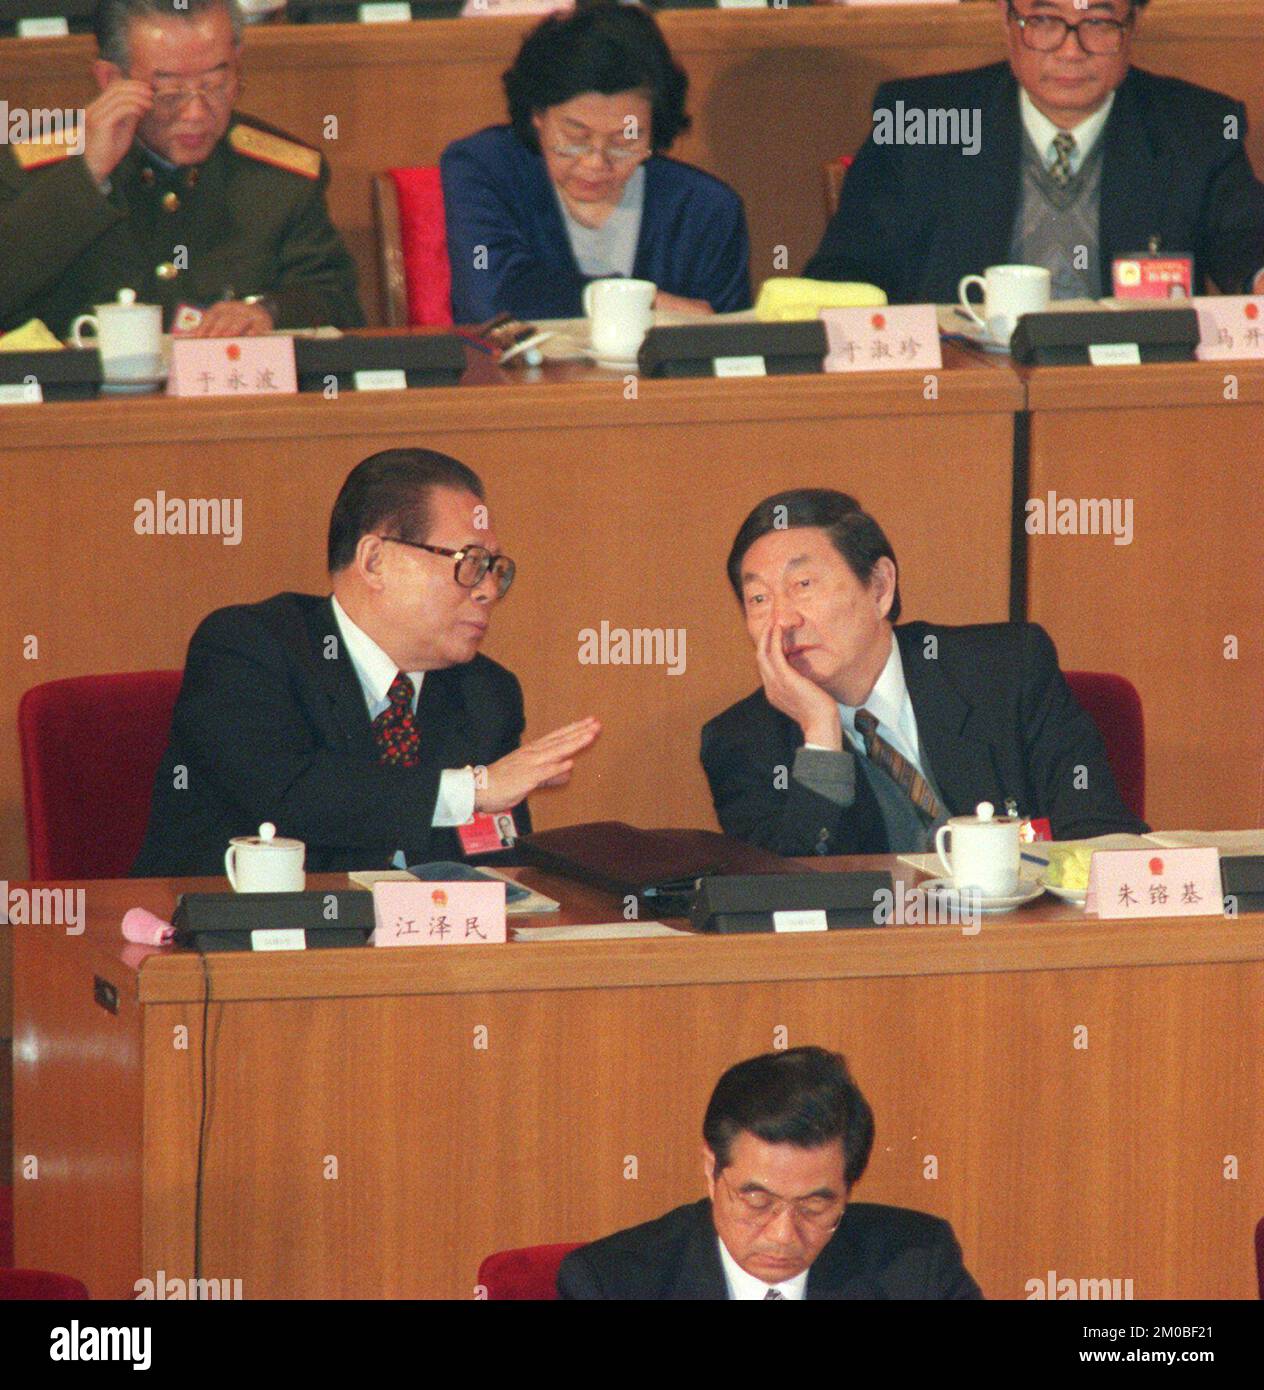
x,y
1075,158
165,190
786,1137
365,723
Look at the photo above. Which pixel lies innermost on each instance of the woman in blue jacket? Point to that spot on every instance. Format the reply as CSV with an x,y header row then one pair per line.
x,y
577,188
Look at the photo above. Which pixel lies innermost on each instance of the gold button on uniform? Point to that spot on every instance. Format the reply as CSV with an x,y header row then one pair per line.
x,y
166,271
171,202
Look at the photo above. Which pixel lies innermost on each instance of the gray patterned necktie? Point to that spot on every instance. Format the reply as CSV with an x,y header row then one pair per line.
x,y
773,1294
1064,148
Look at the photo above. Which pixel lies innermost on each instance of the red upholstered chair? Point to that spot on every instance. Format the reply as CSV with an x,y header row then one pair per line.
x,y
1114,706
528,1273
39,1284
413,247
91,746
1259,1255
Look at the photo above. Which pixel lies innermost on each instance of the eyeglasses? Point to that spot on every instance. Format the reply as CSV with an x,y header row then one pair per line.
x,y
1046,33
215,90
758,1207
472,564
611,154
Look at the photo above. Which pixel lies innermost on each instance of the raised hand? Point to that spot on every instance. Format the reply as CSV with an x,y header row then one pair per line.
x,y
110,124
814,710
545,762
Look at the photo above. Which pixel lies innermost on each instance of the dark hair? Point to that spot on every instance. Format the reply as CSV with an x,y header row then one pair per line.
x,y
391,490
602,47
855,534
804,1096
113,20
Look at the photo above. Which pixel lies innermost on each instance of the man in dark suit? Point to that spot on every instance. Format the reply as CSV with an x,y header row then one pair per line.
x,y
786,1138
1064,157
365,724
864,736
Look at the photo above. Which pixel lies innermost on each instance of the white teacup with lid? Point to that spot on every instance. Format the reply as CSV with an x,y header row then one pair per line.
x,y
982,851
265,863
128,336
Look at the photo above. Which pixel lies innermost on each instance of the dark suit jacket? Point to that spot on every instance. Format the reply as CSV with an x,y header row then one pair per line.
x,y
995,718
915,218
497,194
271,724
877,1253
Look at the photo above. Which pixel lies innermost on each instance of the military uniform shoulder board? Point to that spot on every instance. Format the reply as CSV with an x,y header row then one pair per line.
x,y
37,153
272,149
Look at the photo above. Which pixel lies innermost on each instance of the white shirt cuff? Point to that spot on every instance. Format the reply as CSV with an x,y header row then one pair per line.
x,y
455,803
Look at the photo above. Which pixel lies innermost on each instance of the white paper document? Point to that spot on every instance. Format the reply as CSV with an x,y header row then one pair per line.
x,y
597,931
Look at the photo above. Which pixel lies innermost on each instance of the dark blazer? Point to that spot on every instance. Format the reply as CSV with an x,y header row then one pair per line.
x,y
271,725
497,194
915,218
877,1252
995,718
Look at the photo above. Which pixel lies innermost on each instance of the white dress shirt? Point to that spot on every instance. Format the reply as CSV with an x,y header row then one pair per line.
x,y
890,705
1042,130
376,672
745,1287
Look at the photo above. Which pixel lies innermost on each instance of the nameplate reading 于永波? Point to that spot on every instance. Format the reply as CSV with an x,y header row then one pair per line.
x,y
438,914
803,919
905,338
1150,883
1230,326
261,366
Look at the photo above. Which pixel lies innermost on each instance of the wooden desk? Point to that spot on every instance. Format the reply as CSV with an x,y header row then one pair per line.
x,y
773,93
1179,610
1068,1093
618,501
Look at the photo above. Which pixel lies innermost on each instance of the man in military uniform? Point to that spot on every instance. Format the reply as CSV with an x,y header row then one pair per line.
x,y
174,195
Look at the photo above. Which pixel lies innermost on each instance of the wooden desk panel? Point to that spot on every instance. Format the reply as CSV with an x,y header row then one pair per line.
x,y
773,94
582,1111
1162,610
619,511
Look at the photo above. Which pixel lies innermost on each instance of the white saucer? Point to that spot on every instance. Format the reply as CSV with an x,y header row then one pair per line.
x,y
1075,896
1028,891
616,364
134,388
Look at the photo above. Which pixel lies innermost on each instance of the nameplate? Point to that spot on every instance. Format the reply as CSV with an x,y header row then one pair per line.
x,y
21,393
232,367
438,914
499,7
382,379
805,919
50,28
905,338
1230,326
741,4
383,13
1114,355
1155,883
740,366
278,939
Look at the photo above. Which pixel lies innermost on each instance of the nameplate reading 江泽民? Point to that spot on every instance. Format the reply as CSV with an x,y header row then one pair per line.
x,y
904,339
261,366
438,914
1150,883
1230,326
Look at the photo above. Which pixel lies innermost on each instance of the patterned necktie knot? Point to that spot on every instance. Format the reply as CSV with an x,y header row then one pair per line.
x,y
773,1294
394,730
1063,149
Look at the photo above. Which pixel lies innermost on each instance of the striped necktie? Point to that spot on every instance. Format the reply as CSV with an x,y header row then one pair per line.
x,y
773,1294
897,766
1063,149
394,729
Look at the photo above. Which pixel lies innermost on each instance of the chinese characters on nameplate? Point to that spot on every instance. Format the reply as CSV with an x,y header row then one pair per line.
x,y
876,340
438,914
1143,883
261,366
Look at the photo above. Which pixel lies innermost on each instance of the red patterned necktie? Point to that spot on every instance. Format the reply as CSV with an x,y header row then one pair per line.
x,y
394,729
901,771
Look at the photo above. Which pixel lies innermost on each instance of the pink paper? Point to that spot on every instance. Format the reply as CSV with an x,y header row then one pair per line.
x,y
1230,326
438,914
1155,883
145,928
232,367
901,339
479,8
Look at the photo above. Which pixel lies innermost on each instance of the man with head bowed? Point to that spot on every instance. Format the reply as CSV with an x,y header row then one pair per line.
x,y
365,723
865,736
1077,157
786,1137
170,192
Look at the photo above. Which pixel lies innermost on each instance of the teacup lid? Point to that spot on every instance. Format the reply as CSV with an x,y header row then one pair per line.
x,y
127,296
985,814
267,838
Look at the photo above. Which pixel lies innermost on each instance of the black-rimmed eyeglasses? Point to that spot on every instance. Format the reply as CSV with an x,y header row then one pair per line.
x,y
1046,33
472,564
